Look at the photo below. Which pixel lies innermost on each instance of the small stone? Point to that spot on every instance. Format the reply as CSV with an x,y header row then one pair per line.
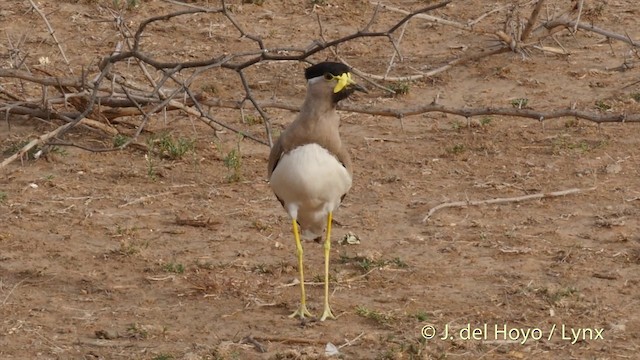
x,y
613,168
350,239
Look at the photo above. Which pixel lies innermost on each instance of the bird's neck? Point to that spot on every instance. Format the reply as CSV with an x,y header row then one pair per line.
x,y
316,110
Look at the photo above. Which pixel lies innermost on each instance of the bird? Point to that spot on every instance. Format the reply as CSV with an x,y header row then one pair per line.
x,y
310,170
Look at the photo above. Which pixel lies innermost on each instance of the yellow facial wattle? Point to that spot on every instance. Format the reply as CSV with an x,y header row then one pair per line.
x,y
343,81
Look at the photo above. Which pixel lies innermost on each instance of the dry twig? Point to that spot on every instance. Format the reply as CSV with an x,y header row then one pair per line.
x,y
503,200
52,33
12,290
33,143
464,112
104,101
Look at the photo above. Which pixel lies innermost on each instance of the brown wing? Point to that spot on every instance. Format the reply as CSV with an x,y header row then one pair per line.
x,y
274,156
344,158
276,153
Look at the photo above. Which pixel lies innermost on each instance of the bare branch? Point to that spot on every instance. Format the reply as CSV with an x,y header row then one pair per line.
x,y
267,122
471,57
43,80
532,21
464,112
503,200
52,33
526,113
433,19
35,142
580,5
551,26
110,95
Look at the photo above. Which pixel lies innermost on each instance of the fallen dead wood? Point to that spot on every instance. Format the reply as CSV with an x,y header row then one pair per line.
x,y
102,98
563,22
40,140
42,80
504,200
597,117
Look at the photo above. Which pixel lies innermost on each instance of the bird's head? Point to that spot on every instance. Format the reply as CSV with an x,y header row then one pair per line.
x,y
332,78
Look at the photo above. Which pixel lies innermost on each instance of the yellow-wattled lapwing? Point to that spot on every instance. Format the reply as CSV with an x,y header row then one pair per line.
x,y
310,169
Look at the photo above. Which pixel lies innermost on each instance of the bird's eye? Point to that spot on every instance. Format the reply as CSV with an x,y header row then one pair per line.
x,y
328,76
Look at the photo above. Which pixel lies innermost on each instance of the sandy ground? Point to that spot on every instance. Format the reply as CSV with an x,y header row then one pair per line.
x,y
96,264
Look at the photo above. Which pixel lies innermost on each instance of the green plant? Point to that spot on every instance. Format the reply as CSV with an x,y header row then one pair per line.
x,y
251,119
3,197
421,316
233,162
173,268
16,146
519,103
128,243
553,297
486,121
603,106
171,148
344,258
59,151
366,264
400,87
582,146
124,231
119,140
457,125
456,149
572,123
127,248
319,278
151,167
565,143
13,148
262,269
260,225
374,315
210,88
135,331
254,2
398,263
636,96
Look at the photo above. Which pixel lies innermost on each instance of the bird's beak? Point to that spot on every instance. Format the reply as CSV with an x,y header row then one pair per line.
x,y
344,81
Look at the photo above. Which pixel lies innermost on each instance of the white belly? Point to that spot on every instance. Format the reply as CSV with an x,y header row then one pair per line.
x,y
311,182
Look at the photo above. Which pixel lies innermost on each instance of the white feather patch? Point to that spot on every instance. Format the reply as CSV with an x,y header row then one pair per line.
x,y
311,182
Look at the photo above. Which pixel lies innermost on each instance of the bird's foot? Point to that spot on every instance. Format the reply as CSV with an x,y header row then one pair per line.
x,y
301,312
327,314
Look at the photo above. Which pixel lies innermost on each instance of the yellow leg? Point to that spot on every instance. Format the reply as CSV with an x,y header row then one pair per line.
x,y
327,252
302,310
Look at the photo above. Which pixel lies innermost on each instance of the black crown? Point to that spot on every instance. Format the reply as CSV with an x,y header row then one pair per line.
x,y
334,68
